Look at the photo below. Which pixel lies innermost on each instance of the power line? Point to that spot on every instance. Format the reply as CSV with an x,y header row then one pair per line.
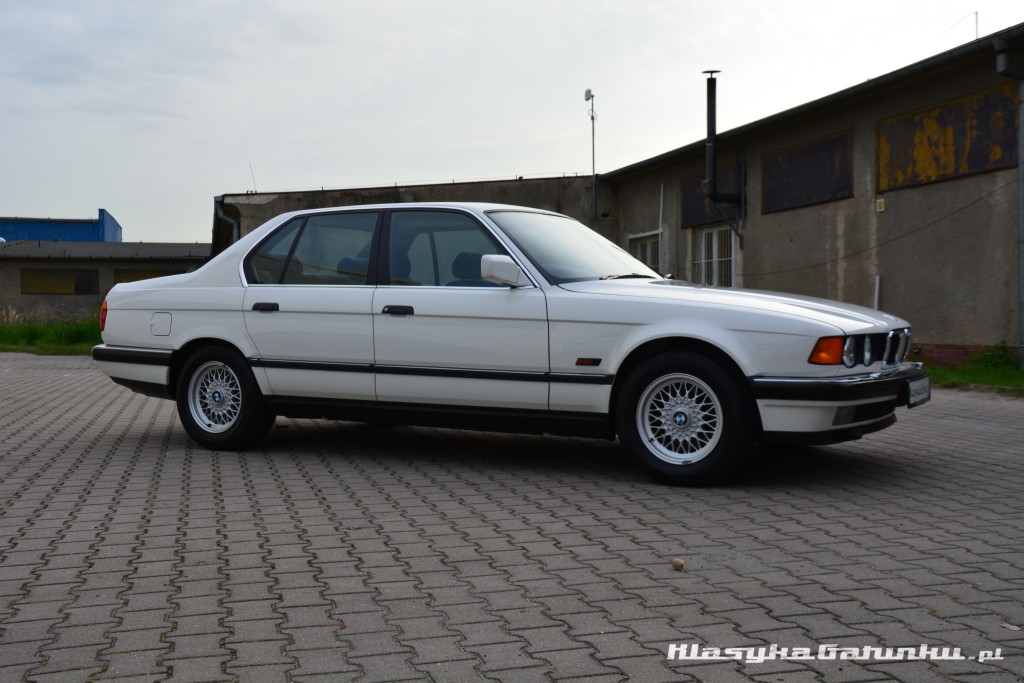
x,y
897,238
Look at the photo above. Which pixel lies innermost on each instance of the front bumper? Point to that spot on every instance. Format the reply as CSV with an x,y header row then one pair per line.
x,y
871,386
834,409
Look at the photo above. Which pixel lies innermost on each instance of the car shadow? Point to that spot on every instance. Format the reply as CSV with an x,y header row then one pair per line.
x,y
489,453
812,466
510,455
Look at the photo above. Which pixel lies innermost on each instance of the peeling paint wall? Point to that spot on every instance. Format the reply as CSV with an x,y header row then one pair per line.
x,y
973,134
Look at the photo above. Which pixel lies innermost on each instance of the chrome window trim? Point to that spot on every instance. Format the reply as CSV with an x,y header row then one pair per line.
x,y
480,219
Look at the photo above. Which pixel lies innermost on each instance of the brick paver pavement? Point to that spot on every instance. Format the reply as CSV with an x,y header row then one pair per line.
x,y
346,552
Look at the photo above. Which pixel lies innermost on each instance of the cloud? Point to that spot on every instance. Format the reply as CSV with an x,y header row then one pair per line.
x,y
153,108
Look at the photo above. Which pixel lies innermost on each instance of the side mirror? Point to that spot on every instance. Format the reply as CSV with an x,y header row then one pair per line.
x,y
502,270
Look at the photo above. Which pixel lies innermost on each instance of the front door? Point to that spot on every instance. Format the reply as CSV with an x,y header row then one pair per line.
x,y
443,335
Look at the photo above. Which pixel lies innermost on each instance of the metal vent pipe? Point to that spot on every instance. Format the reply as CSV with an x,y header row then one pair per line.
x,y
711,153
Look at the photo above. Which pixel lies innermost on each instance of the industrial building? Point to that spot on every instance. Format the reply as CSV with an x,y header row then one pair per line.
x,y
68,280
56,268
104,228
903,193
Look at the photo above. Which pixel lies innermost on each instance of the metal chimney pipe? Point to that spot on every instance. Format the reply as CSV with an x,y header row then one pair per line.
x,y
710,154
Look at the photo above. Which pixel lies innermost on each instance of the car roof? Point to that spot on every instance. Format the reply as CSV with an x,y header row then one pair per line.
x,y
475,206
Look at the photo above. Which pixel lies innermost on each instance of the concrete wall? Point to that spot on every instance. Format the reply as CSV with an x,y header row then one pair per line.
x,y
645,199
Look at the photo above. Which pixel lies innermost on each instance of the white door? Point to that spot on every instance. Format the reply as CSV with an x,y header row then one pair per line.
x,y
308,307
444,336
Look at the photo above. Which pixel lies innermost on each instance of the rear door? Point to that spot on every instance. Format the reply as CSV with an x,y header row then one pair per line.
x,y
308,305
443,335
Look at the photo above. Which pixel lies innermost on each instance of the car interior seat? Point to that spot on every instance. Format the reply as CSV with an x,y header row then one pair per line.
x,y
466,268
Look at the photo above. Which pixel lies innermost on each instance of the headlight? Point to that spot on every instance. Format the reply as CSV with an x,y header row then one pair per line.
x,y
862,349
850,352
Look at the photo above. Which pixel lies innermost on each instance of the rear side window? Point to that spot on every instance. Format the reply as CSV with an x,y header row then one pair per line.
x,y
265,265
325,249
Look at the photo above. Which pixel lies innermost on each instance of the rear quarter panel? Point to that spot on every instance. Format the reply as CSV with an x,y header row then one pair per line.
x,y
196,313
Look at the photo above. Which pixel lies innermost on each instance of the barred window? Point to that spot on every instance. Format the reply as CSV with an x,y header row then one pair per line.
x,y
647,248
714,255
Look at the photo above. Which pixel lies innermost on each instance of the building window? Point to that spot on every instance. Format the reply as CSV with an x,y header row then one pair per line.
x,y
54,281
647,248
714,255
812,173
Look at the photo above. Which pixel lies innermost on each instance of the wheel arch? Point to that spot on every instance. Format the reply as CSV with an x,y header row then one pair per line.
x,y
654,347
181,356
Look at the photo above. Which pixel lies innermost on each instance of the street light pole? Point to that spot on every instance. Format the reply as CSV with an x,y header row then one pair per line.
x,y
589,97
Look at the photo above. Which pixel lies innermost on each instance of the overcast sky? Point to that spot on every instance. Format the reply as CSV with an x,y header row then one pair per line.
x,y
151,108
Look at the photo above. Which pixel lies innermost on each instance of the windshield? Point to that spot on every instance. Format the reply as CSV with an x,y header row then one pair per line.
x,y
566,250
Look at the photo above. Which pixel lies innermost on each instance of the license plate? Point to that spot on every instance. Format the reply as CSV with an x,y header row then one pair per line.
x,y
919,390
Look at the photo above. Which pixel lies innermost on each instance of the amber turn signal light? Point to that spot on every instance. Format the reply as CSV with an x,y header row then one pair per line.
x,y
828,351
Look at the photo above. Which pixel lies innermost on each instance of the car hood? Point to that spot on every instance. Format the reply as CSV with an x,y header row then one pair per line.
x,y
847,317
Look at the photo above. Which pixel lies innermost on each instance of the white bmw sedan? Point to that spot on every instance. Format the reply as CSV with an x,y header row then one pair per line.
x,y
503,318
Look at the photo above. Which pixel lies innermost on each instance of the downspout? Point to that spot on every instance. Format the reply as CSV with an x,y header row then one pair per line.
x,y
222,215
1004,68
661,232
1020,224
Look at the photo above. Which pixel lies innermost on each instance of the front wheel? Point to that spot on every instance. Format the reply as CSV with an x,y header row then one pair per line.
x,y
685,419
219,402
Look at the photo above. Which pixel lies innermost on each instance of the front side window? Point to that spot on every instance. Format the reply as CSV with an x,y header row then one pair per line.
x,y
323,249
566,250
437,248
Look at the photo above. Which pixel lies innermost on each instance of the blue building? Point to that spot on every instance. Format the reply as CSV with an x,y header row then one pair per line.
x,y
105,228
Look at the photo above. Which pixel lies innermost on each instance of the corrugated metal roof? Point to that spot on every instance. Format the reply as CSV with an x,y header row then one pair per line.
x,y
148,251
44,221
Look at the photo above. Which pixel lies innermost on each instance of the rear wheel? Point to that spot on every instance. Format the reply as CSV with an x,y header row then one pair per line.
x,y
219,402
685,418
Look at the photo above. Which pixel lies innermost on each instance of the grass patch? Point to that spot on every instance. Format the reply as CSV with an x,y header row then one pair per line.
x,y
57,337
972,376
996,367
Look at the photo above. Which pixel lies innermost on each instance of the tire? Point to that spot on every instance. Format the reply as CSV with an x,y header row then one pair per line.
x,y
685,419
219,403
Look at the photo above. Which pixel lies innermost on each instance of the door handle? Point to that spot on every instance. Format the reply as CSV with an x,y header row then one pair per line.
x,y
266,306
398,310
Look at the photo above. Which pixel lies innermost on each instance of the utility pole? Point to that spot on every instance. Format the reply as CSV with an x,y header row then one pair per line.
x,y
589,97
